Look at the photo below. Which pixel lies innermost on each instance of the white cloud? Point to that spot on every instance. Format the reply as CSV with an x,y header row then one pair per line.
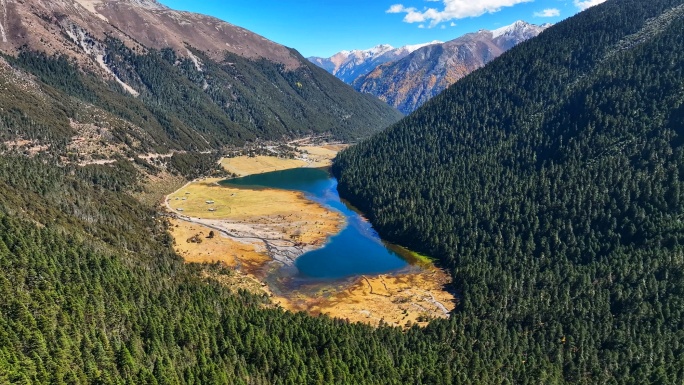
x,y
550,12
452,24
396,8
584,4
455,9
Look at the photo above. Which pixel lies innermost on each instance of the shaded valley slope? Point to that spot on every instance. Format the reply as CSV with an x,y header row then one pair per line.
x,y
550,183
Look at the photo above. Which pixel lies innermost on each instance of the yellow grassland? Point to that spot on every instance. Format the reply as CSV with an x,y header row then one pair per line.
x,y
246,165
397,299
218,248
287,213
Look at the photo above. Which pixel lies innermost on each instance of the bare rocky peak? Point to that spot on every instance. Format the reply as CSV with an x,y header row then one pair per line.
x,y
45,25
159,28
147,4
55,27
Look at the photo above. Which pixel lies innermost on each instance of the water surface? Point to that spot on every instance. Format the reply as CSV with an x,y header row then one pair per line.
x,y
356,250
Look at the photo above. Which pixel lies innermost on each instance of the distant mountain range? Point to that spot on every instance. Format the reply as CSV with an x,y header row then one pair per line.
x,y
349,65
406,78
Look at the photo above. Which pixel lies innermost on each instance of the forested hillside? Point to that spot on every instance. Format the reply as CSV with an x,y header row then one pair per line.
x,y
181,106
549,182
92,293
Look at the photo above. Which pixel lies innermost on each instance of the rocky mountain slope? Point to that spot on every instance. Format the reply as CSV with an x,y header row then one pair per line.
x,y
56,26
151,78
349,65
409,82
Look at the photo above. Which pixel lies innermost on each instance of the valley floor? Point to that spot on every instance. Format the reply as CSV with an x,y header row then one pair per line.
x,y
246,230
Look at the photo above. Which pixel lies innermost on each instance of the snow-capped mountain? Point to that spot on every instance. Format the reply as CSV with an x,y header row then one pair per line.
x,y
349,65
409,82
510,35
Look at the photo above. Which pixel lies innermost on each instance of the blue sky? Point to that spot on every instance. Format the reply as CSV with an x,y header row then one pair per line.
x,y
324,27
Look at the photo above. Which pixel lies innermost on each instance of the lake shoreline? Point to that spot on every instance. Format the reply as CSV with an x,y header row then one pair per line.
x,y
404,297
274,233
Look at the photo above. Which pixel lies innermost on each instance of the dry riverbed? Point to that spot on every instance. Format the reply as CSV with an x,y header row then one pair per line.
x,y
246,230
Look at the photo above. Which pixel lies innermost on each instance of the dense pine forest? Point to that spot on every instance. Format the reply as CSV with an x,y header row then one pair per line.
x,y
91,292
549,182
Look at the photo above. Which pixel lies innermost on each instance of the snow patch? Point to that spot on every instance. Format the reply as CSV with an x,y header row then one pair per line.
x,y
362,54
517,27
413,47
378,50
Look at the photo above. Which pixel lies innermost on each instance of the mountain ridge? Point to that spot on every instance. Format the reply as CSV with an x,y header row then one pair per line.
x,y
409,82
349,65
185,81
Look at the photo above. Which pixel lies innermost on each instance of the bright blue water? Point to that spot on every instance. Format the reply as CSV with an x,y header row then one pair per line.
x,y
356,250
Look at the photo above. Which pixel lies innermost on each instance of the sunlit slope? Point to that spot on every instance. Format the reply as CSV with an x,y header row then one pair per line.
x,y
165,86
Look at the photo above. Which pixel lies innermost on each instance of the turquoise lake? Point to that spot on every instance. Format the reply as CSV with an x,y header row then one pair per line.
x,y
356,250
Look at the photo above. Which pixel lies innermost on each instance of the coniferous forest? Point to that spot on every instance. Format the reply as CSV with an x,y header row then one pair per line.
x,y
548,183
93,293
181,107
